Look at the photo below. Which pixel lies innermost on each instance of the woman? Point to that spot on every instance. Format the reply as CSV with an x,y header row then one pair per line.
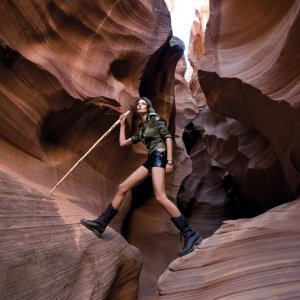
x,y
154,133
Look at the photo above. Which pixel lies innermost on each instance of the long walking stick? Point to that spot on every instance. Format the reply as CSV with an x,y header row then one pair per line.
x,y
82,158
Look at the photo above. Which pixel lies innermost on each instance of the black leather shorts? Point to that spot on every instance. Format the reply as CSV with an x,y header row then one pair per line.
x,y
156,159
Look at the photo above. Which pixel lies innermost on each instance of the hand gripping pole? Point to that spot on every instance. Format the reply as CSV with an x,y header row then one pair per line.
x,y
83,157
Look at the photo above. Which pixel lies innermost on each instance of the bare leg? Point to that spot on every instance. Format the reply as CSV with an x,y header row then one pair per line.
x,y
133,180
158,181
191,237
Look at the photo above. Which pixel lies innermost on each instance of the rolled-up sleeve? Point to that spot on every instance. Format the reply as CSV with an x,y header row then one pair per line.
x,y
135,139
162,128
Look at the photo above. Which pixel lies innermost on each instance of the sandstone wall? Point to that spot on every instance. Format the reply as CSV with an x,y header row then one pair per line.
x,y
248,134
246,259
67,71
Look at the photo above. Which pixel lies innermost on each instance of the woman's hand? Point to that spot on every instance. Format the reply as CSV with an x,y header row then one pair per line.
x,y
122,119
169,168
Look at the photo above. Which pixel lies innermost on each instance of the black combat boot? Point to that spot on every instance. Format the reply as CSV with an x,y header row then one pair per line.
x,y
98,225
191,237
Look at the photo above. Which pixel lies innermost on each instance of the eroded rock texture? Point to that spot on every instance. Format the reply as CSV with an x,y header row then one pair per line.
x,y
201,196
249,128
46,255
248,137
264,55
67,70
254,258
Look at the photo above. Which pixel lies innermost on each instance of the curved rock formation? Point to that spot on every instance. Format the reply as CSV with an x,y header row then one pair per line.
x,y
266,56
246,259
253,151
249,133
195,53
259,45
201,196
253,138
67,71
46,255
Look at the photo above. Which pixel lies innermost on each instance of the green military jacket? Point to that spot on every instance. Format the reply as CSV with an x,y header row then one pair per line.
x,y
153,132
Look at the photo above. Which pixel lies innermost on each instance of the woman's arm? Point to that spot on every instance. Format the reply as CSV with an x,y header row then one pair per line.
x,y
122,138
169,145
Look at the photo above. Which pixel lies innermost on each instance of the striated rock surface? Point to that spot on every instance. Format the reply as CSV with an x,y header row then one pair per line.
x,y
91,48
252,150
201,197
251,138
254,258
248,135
60,127
67,71
259,59
259,45
45,254
196,51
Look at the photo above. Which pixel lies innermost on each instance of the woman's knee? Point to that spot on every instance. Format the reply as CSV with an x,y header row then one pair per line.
x,y
122,188
161,198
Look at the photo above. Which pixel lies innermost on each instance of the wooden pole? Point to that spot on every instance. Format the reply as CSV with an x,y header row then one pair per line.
x,y
83,157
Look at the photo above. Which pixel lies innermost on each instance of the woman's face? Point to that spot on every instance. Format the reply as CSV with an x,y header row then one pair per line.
x,y
141,106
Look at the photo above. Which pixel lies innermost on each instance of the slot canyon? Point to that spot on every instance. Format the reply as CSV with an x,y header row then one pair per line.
x,y
231,99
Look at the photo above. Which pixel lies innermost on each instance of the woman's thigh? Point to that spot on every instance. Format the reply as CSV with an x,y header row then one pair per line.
x,y
158,180
139,175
